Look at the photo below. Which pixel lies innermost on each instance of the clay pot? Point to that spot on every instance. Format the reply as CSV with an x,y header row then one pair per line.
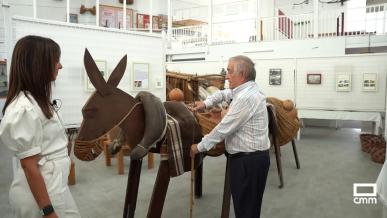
x,y
288,104
176,95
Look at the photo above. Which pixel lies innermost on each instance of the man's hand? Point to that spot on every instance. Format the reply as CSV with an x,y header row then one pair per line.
x,y
194,150
199,105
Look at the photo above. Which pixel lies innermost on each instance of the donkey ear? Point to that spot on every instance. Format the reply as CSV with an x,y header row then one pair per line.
x,y
117,73
94,74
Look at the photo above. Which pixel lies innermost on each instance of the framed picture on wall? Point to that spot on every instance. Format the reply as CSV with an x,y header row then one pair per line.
x,y
163,21
73,18
370,82
140,76
129,18
102,69
113,17
313,78
107,17
275,76
143,21
343,82
155,22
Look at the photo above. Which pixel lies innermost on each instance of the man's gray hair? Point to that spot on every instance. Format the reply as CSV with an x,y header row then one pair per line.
x,y
246,65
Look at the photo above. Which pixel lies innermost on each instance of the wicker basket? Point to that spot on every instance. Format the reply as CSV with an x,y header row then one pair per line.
x,y
189,83
185,82
216,80
379,155
207,123
287,122
370,141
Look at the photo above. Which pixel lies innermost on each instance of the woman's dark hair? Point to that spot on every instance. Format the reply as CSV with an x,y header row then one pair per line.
x,y
32,70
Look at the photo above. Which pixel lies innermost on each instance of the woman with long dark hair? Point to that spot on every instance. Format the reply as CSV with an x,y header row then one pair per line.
x,y
32,130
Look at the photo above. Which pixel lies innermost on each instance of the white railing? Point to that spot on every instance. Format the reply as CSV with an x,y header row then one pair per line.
x,y
222,33
287,27
330,23
371,20
189,36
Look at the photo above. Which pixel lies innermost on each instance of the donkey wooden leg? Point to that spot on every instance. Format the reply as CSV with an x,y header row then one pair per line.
x,y
159,191
295,154
132,188
199,181
279,165
226,192
151,160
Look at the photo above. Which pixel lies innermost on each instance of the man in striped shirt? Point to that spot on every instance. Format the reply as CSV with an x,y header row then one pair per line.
x,y
245,131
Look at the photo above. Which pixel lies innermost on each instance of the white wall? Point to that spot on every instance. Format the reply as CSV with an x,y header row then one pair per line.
x,y
182,10
266,8
234,10
306,96
276,49
289,9
325,96
222,11
73,39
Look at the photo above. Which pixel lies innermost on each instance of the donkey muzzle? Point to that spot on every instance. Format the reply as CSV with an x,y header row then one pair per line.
x,y
88,150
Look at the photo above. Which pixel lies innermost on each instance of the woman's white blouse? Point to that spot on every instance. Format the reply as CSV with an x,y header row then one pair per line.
x,y
26,131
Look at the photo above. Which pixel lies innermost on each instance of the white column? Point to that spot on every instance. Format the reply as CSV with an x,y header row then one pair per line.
x,y
384,20
7,24
151,16
68,11
34,8
169,33
258,21
209,34
315,18
97,13
124,16
163,58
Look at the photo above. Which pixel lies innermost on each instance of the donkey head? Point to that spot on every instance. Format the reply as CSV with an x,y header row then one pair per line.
x,y
106,108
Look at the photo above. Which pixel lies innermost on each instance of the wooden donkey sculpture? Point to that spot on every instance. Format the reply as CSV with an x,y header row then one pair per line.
x,y
144,122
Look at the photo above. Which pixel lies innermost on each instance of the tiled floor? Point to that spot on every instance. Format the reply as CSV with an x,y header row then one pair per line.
x,y
331,161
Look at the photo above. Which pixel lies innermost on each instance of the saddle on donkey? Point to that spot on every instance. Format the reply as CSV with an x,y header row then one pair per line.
x,y
173,122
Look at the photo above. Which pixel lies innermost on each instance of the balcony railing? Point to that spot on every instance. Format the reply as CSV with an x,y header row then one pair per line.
x,y
287,27
189,36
